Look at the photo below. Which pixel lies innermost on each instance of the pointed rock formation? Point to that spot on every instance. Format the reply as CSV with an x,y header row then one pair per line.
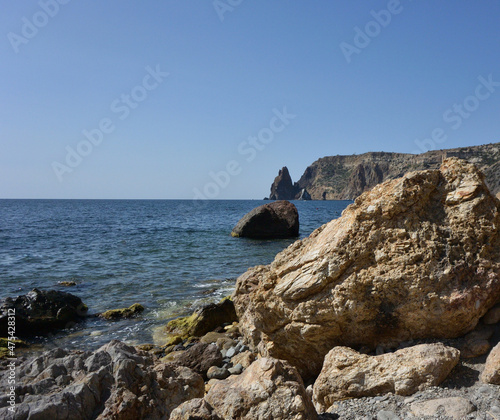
x,y
283,188
416,257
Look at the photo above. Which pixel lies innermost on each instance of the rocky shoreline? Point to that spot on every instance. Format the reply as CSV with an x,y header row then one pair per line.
x,y
390,312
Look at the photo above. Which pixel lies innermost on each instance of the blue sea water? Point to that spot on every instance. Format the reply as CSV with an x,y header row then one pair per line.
x,y
171,256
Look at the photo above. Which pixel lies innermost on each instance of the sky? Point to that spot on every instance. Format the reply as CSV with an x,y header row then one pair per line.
x,y
178,99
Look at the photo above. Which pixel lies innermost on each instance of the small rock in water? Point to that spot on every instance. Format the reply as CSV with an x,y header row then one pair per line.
x,y
66,283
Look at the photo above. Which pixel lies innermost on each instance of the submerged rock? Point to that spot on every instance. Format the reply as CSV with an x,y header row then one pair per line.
x,y
416,257
279,219
349,374
114,382
41,312
130,312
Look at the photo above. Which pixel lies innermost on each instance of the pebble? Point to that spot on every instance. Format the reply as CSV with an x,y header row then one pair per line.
x,y
217,373
231,352
387,415
236,370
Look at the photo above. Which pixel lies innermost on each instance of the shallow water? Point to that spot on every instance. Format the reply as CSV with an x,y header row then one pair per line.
x,y
169,255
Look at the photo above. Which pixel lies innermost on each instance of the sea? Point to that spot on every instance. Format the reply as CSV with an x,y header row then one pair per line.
x,y
171,256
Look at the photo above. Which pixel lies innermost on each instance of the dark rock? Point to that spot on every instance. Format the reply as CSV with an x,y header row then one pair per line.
x,y
200,358
274,220
282,187
114,382
41,312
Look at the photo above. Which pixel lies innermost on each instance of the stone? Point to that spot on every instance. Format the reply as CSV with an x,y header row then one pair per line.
x,y
349,374
116,381
268,389
413,258
493,315
215,372
282,187
204,320
303,195
279,219
245,359
387,415
195,409
130,312
491,372
200,358
67,283
236,369
454,407
42,312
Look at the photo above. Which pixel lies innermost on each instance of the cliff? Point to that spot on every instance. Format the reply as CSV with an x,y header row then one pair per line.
x,y
347,177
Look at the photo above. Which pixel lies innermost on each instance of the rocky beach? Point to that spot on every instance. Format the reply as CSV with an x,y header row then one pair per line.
x,y
391,311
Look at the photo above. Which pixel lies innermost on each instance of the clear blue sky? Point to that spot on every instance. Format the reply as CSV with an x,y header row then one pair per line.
x,y
231,70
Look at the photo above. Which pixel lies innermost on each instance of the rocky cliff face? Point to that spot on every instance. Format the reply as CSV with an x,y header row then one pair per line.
x,y
347,177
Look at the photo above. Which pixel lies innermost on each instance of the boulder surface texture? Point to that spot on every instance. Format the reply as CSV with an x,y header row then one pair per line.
x,y
349,374
279,219
269,389
115,382
416,257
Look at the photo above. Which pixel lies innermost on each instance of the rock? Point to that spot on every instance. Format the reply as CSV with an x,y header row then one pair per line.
x,y
66,283
413,258
116,381
279,219
204,320
476,342
245,359
41,312
282,187
455,408
349,374
303,195
493,315
236,369
215,372
491,372
387,415
195,409
268,389
130,312
200,358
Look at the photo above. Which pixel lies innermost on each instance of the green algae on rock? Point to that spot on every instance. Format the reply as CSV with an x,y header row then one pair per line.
x,y
130,312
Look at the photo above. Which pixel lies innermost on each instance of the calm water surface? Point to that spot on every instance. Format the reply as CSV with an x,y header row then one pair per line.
x,y
169,255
